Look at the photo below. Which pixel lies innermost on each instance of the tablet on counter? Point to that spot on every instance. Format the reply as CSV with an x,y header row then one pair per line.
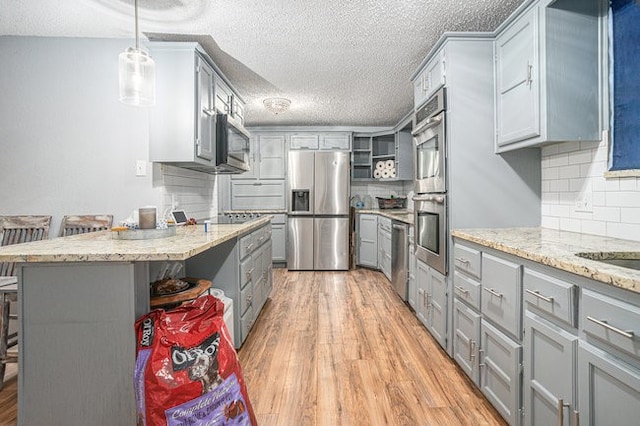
x,y
179,217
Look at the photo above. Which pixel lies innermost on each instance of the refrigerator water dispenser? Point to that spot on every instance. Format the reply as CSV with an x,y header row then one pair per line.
x,y
300,200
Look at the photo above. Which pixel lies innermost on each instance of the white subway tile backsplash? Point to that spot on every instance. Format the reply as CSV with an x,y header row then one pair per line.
x,y
560,185
572,172
625,231
607,214
594,227
567,172
630,215
572,225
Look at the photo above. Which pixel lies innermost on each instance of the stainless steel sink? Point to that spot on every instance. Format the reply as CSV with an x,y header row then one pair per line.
x,y
629,260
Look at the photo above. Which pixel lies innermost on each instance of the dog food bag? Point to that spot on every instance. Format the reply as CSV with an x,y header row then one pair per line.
x,y
187,371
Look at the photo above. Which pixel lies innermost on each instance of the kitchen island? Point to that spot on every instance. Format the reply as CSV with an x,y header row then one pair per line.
x,y
79,297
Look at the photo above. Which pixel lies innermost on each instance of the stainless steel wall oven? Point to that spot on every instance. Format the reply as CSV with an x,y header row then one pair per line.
x,y
430,165
431,231
430,183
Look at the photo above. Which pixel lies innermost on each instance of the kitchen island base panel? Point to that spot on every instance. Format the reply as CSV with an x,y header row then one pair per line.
x,y
77,342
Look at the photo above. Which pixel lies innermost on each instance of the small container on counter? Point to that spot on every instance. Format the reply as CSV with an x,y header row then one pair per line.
x,y
147,218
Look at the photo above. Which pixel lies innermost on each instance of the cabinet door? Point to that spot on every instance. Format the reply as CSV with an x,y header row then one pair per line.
x,y
412,288
466,339
549,373
335,141
255,195
304,141
435,73
422,280
437,305
500,371
205,123
608,389
384,240
368,240
279,243
223,96
254,164
517,80
271,157
420,89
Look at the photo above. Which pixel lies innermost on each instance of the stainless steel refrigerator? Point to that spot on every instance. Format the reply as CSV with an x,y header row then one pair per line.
x,y
318,211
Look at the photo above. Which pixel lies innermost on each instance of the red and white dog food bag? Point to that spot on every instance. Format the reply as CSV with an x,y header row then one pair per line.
x,y
187,371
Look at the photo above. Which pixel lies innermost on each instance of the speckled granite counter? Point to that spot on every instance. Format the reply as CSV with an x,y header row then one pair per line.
x,y
401,215
101,247
558,249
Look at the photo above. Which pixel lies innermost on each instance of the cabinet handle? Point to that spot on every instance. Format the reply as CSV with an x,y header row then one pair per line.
x,y
463,260
493,292
462,290
248,247
576,418
626,333
529,69
537,294
472,346
561,405
480,364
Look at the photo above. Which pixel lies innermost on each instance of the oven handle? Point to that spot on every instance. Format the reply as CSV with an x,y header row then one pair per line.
x,y
431,122
436,198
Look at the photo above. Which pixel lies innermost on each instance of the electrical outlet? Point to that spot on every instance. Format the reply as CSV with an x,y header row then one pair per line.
x,y
584,203
141,168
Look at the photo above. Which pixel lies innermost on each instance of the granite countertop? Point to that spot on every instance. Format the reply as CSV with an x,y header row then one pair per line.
x,y
101,247
401,215
558,249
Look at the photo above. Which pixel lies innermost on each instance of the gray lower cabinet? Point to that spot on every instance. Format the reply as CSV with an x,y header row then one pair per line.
x,y
241,267
368,240
431,303
549,373
279,238
502,293
412,290
466,339
257,195
501,372
384,246
609,389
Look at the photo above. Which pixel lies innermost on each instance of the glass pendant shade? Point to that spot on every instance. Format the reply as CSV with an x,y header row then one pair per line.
x,y
137,73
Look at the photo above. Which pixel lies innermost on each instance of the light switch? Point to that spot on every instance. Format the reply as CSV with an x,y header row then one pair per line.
x,y
141,168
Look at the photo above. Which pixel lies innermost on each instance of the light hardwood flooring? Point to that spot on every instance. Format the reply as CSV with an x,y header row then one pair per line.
x,y
340,348
335,348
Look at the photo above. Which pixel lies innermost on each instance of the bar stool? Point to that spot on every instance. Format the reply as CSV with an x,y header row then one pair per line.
x,y
81,224
14,230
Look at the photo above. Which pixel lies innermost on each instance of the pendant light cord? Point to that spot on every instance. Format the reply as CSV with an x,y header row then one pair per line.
x,y
135,5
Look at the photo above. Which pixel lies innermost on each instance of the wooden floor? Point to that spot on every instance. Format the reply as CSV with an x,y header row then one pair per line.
x,y
336,348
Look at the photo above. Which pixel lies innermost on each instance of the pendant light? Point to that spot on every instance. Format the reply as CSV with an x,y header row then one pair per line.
x,y
137,74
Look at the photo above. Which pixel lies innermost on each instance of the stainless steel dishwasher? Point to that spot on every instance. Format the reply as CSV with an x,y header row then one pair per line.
x,y
399,258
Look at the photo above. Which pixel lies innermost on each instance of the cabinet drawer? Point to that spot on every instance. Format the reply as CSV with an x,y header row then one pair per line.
x,y
252,195
468,260
466,289
247,245
551,295
246,271
246,296
502,293
612,321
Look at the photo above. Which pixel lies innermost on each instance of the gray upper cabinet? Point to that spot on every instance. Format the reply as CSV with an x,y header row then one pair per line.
x,y
304,141
517,92
430,79
335,141
181,124
546,74
188,89
268,159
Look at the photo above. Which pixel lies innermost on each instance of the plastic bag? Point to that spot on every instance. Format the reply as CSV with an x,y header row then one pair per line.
x,y
187,371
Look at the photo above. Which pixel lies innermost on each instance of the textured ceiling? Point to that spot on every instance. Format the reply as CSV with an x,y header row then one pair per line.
x,y
341,62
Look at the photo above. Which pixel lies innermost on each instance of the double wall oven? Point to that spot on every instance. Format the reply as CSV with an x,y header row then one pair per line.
x,y
430,182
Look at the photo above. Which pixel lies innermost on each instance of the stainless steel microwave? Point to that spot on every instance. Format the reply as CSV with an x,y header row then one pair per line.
x,y
232,145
